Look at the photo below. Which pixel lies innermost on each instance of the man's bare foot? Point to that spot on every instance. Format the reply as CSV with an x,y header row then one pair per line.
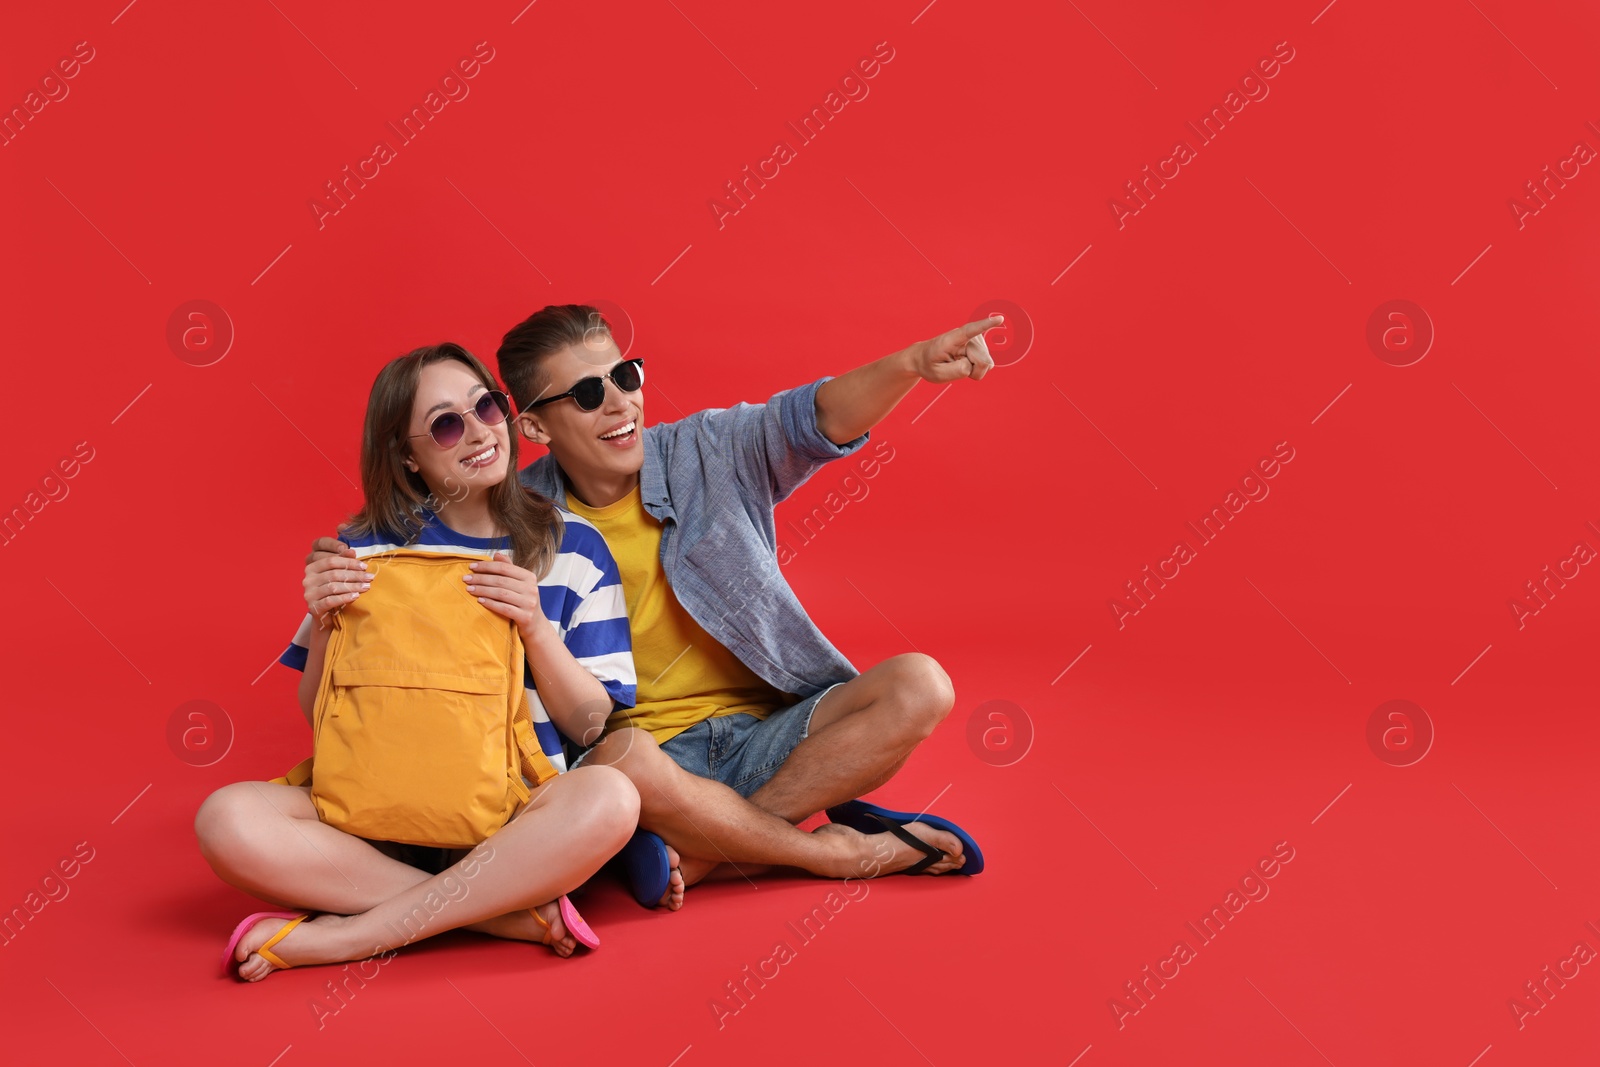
x,y
519,925
312,941
880,854
672,899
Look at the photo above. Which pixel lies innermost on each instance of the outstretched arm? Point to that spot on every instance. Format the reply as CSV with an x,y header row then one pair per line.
x,y
853,403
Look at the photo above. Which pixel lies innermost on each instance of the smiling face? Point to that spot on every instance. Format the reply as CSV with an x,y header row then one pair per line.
x,y
480,460
599,450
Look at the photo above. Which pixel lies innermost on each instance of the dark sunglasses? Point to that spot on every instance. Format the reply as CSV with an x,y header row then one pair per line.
x,y
590,393
448,427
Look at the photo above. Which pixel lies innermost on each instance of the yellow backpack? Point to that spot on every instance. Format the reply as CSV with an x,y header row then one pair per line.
x,y
421,729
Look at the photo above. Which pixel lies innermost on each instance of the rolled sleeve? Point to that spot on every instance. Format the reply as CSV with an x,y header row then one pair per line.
x,y
779,443
797,408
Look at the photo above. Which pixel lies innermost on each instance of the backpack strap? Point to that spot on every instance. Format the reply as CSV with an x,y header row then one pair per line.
x,y
299,774
535,764
527,757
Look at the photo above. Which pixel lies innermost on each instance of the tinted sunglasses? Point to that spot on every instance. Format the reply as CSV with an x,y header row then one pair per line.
x,y
448,427
590,393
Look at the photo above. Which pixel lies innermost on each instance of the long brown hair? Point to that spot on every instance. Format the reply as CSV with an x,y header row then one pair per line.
x,y
395,497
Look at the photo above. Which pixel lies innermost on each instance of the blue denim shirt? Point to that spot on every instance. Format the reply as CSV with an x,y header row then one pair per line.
x,y
712,479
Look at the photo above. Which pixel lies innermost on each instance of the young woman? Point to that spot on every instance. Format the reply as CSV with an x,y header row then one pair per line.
x,y
438,470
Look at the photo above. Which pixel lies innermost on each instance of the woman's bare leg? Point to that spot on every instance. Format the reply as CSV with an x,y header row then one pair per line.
x,y
572,825
266,839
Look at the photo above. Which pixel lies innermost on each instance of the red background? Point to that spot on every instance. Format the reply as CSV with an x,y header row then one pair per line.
x,y
1224,317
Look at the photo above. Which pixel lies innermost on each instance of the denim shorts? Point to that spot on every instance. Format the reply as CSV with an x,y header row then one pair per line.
x,y
740,750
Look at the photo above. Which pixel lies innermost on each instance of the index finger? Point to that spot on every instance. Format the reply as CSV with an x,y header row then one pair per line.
x,y
973,329
326,564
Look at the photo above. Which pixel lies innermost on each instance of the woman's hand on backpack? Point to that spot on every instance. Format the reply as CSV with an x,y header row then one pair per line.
x,y
334,577
510,592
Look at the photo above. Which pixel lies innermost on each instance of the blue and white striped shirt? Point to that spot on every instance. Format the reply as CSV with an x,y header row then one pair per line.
x,y
581,596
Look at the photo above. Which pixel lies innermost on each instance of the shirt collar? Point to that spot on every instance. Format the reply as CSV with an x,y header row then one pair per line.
x,y
653,478
652,481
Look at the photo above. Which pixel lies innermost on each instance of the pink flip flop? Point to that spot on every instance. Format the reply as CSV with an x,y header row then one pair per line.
x,y
229,964
574,922
576,926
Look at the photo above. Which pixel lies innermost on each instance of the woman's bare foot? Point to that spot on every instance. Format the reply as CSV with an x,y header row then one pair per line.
x,y
312,941
321,940
879,854
520,925
672,899
558,937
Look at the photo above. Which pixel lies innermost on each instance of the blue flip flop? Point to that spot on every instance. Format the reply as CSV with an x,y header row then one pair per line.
x,y
644,859
872,819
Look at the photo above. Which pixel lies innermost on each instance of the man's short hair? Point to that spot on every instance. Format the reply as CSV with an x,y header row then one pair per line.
x,y
524,349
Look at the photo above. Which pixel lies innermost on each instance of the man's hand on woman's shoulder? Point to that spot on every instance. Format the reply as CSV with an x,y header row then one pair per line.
x,y
334,577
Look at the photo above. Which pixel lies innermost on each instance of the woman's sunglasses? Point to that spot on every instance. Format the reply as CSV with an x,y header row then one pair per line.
x,y
590,393
448,427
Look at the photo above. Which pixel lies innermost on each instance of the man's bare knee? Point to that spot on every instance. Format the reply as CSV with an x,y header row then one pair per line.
x,y
923,692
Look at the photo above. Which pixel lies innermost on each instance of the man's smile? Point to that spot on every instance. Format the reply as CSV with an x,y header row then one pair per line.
x,y
622,434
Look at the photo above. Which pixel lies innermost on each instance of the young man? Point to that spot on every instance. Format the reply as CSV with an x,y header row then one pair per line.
x,y
747,720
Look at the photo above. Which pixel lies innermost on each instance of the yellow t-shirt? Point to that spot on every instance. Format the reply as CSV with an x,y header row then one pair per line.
x,y
685,675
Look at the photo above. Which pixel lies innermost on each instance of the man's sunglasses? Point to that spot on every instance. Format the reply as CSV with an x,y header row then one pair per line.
x,y
590,393
448,427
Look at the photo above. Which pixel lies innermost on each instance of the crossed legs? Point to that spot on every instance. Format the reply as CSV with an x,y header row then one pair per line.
x,y
861,734
267,840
